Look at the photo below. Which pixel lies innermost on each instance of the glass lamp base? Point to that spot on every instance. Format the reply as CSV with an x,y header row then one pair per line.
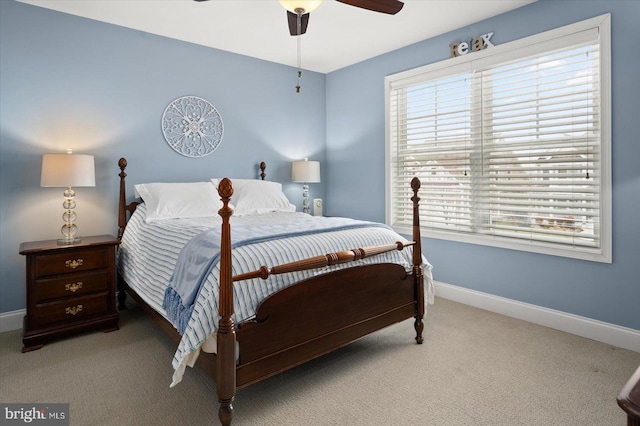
x,y
69,228
305,199
64,242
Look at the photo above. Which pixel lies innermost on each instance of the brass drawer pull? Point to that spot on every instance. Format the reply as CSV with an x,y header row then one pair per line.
x,y
73,287
73,310
73,264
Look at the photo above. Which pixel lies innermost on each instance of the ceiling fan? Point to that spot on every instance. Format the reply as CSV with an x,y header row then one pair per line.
x,y
298,16
299,10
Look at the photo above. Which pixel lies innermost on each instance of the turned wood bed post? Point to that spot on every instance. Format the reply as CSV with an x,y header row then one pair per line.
x,y
417,261
123,208
226,359
263,166
122,202
122,222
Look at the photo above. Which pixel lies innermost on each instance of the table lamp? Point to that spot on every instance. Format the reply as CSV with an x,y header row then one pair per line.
x,y
306,172
67,170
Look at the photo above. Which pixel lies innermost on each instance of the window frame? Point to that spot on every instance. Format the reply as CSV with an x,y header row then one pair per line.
x,y
495,55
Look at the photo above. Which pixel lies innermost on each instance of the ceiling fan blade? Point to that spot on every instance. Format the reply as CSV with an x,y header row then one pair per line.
x,y
292,19
390,7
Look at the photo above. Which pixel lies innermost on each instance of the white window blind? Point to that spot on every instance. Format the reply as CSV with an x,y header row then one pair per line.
x,y
510,148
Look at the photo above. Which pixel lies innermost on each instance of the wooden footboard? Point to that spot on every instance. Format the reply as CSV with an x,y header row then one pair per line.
x,y
314,316
317,316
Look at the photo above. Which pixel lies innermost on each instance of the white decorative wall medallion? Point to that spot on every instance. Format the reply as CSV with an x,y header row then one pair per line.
x,y
192,126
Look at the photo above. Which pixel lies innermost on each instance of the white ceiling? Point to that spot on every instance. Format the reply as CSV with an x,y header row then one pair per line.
x,y
338,34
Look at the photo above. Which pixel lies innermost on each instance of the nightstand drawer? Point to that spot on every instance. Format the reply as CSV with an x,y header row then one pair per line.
x,y
72,261
70,309
71,285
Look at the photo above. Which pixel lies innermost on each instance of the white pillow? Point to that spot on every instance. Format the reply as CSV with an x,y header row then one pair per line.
x,y
179,200
253,196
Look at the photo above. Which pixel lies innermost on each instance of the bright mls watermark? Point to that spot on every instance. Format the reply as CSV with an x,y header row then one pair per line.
x,y
38,414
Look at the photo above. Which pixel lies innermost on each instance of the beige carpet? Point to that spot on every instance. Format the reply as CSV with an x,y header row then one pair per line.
x,y
475,368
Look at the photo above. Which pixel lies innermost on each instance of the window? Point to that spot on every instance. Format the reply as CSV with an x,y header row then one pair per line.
x,y
511,144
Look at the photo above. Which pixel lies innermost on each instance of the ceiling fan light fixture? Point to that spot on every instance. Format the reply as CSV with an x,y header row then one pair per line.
x,y
307,6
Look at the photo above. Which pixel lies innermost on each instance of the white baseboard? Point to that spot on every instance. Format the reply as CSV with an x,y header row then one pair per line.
x,y
11,320
611,334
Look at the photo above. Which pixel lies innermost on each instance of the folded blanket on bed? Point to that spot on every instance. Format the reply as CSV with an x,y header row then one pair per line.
x,y
202,253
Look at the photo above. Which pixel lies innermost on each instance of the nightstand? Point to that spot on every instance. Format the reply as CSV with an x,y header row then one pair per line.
x,y
70,288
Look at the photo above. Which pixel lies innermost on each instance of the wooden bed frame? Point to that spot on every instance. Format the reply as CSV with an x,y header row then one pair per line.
x,y
285,332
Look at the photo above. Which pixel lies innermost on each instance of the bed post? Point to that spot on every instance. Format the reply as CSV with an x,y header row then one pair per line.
x,y
122,222
263,166
122,201
226,360
417,261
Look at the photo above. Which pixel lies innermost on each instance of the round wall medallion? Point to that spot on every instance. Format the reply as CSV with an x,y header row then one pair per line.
x,y
192,126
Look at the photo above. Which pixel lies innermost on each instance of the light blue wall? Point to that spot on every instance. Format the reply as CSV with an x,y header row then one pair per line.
x,y
355,165
101,89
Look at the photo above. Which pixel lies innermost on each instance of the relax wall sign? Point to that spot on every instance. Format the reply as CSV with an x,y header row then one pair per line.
x,y
459,48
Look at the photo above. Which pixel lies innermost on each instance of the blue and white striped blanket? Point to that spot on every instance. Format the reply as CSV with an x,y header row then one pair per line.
x,y
148,256
203,251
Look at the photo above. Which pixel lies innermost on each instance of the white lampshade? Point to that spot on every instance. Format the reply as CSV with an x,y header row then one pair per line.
x,y
64,170
307,5
305,171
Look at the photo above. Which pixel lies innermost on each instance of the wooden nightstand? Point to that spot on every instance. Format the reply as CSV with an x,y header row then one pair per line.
x,y
70,288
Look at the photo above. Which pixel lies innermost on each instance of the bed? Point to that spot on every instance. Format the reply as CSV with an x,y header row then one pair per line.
x,y
250,296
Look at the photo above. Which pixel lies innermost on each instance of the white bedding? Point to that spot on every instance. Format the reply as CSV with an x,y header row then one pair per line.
x,y
148,253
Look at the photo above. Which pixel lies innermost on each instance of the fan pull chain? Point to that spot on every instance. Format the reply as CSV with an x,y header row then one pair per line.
x,y
299,13
299,63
